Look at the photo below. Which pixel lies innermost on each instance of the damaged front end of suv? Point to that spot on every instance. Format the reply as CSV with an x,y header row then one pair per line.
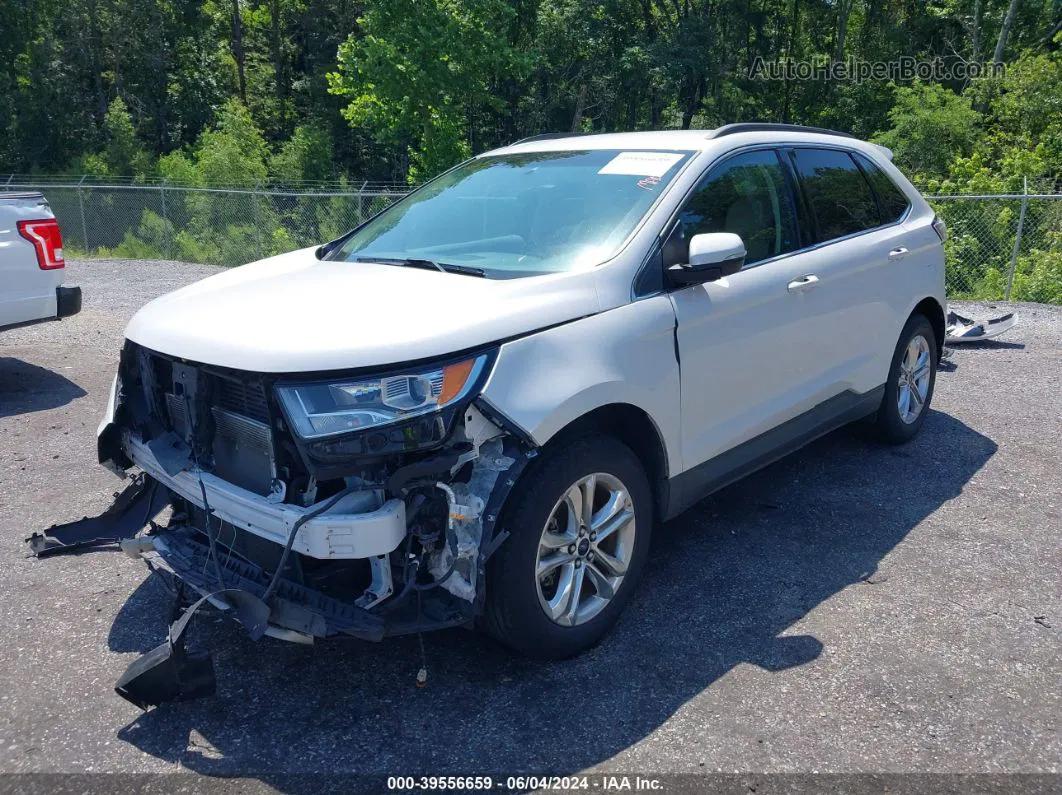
x,y
308,506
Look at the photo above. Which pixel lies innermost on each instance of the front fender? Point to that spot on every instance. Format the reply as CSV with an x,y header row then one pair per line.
x,y
109,411
546,380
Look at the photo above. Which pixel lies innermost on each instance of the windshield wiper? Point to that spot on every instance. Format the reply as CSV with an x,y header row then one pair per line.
x,y
464,270
430,264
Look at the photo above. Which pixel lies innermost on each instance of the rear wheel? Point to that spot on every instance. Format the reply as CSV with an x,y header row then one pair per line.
x,y
579,532
909,389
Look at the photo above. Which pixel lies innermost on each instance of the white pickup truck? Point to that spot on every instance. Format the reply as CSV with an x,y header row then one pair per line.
x,y
31,264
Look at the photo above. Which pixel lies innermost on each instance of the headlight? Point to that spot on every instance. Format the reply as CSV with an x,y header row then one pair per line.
x,y
406,408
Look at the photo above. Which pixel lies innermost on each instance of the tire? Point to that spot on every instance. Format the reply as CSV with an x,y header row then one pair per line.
x,y
517,601
892,424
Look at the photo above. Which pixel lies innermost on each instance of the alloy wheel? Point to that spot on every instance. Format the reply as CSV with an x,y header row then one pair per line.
x,y
913,386
585,549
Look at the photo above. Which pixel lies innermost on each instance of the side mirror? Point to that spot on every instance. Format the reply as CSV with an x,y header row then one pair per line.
x,y
712,256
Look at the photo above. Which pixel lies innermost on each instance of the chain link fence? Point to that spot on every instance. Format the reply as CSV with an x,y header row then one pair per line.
x,y
216,226
999,246
1003,247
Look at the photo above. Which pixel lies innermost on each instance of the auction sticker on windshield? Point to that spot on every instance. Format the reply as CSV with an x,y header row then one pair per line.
x,y
641,164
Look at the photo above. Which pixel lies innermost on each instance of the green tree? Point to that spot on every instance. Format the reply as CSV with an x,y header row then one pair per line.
x,y
422,69
123,155
930,127
305,157
235,152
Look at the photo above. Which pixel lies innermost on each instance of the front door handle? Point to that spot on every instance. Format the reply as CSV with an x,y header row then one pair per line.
x,y
897,253
803,283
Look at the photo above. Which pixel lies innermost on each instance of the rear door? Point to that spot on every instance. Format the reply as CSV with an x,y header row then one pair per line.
x,y
741,339
900,256
27,291
854,312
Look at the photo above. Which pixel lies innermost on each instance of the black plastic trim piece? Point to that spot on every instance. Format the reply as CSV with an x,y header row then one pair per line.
x,y
494,535
756,126
137,504
498,417
424,469
67,301
808,232
170,672
550,137
188,559
697,483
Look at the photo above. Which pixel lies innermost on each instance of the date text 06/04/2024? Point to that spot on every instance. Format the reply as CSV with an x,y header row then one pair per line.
x,y
615,783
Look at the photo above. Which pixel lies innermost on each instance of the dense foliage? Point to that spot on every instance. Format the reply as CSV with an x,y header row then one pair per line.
x,y
212,92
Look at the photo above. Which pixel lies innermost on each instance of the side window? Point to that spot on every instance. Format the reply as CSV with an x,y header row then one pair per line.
x,y
747,195
839,195
891,200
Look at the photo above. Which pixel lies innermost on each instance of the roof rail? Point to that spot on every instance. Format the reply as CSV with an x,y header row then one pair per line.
x,y
549,136
756,126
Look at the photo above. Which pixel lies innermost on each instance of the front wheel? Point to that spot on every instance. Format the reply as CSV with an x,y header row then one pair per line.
x,y
909,389
579,532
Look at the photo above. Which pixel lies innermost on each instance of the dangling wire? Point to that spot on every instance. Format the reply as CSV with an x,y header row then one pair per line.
x,y
422,674
202,490
307,516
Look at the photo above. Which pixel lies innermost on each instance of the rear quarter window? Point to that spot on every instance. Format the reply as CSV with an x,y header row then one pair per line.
x,y
892,201
839,195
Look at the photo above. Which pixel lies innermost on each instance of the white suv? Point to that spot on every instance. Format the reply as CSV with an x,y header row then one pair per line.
x,y
477,404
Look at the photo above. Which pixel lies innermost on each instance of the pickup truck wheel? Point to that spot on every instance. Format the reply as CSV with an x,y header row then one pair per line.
x,y
579,533
909,388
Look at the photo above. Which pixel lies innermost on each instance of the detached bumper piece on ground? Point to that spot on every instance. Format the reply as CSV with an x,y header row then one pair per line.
x,y
140,502
170,672
961,329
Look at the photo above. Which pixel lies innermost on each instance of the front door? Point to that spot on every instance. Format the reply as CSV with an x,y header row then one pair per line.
x,y
743,340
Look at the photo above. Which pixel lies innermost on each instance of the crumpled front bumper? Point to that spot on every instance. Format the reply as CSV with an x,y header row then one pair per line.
x,y
342,542
225,580
296,613
170,672
332,535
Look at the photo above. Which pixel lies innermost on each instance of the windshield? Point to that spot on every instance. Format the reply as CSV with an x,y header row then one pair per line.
x,y
521,214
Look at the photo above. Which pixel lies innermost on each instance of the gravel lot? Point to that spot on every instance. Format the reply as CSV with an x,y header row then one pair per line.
x,y
852,608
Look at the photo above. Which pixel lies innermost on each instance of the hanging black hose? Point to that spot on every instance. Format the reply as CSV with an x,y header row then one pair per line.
x,y
211,538
310,514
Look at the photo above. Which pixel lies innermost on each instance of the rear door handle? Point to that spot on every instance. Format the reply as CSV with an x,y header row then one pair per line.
x,y
803,283
897,253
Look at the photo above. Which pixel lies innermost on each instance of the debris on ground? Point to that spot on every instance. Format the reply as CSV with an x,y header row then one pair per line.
x,y
960,329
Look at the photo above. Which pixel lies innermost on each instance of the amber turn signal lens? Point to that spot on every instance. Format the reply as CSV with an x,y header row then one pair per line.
x,y
454,378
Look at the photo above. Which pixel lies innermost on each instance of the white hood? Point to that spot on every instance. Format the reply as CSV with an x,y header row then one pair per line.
x,y
295,313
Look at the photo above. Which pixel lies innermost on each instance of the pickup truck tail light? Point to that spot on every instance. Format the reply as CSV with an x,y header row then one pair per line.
x,y
47,241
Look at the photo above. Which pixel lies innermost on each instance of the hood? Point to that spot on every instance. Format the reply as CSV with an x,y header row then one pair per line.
x,y
295,313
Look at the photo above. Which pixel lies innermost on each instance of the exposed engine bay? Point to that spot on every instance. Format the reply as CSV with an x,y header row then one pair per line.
x,y
376,533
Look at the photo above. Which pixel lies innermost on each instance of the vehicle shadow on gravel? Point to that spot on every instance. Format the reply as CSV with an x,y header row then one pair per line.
x,y
26,388
723,585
